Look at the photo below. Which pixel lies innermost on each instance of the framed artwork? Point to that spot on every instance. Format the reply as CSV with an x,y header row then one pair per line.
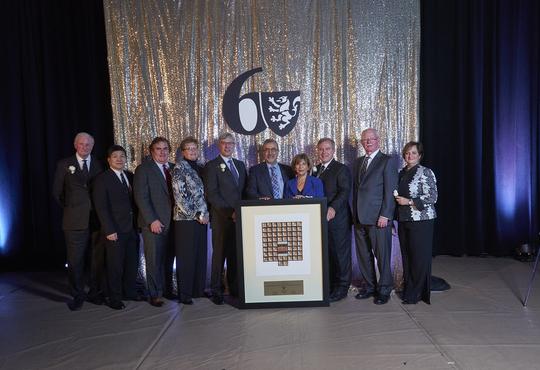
x,y
282,253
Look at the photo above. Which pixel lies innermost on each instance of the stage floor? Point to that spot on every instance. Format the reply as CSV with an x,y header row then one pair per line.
x,y
479,324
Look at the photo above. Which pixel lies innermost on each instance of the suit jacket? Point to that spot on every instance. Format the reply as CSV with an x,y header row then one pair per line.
x,y
72,189
151,194
312,188
114,203
373,192
337,188
259,184
221,190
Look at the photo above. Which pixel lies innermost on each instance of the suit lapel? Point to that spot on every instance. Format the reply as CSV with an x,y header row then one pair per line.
x,y
267,178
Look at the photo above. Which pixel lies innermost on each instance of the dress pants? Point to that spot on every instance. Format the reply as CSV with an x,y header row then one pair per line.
x,y
223,248
159,262
121,265
416,242
339,246
77,249
190,239
374,242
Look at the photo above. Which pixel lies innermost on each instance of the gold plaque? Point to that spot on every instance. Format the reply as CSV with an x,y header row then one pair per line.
x,y
287,287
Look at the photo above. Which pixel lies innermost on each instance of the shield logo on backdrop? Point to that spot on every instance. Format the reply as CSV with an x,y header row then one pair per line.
x,y
255,111
281,110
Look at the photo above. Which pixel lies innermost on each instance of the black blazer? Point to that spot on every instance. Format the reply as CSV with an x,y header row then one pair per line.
x,y
221,190
259,184
114,203
72,191
337,189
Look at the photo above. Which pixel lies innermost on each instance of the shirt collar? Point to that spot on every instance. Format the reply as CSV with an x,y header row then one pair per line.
x,y
327,164
372,155
225,159
80,159
118,173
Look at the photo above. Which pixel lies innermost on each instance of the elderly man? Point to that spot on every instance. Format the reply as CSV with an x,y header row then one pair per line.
x,y
336,179
154,198
375,179
225,178
267,179
71,189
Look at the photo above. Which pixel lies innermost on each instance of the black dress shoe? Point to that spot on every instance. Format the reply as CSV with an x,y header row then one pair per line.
x,y
76,304
381,299
364,294
186,300
156,302
117,305
338,295
217,299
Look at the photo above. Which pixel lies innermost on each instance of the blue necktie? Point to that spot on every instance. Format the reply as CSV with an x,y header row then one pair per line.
x,y
233,171
276,191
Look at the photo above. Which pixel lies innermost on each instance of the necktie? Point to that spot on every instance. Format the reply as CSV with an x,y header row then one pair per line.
x,y
124,181
168,179
276,191
321,171
85,167
363,169
234,171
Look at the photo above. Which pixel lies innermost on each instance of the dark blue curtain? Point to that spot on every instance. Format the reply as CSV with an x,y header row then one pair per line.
x,y
54,83
479,118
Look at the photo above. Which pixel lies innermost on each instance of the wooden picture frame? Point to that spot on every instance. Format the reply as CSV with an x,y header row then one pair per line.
x,y
282,253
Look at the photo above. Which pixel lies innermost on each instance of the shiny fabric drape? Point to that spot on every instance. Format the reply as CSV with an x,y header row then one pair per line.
x,y
355,63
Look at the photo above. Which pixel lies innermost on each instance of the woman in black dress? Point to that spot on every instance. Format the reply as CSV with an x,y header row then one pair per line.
x,y
190,216
416,197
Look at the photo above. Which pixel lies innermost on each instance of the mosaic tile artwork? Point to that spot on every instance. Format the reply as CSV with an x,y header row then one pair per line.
x,y
282,242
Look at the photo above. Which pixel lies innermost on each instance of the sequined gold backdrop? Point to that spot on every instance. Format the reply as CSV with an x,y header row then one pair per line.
x,y
355,63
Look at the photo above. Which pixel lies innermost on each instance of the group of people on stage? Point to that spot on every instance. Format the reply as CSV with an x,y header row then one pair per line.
x,y
171,205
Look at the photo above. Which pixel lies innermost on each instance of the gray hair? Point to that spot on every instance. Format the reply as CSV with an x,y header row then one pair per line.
x,y
81,135
225,135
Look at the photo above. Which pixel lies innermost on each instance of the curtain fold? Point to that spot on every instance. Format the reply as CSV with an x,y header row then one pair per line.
x,y
479,120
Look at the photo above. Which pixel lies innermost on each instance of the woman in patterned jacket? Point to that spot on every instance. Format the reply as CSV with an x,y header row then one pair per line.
x,y
190,217
416,197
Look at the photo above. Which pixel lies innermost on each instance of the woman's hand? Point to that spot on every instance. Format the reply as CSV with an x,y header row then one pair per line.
x,y
402,201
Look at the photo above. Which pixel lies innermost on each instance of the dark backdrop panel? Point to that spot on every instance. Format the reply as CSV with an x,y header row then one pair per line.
x,y
54,84
479,117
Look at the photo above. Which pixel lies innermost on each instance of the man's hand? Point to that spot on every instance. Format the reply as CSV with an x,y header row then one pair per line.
x,y
156,227
112,237
382,222
330,214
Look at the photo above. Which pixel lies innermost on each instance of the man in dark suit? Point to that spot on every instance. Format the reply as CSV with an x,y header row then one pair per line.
x,y
152,188
115,207
224,181
336,179
267,179
71,189
375,179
